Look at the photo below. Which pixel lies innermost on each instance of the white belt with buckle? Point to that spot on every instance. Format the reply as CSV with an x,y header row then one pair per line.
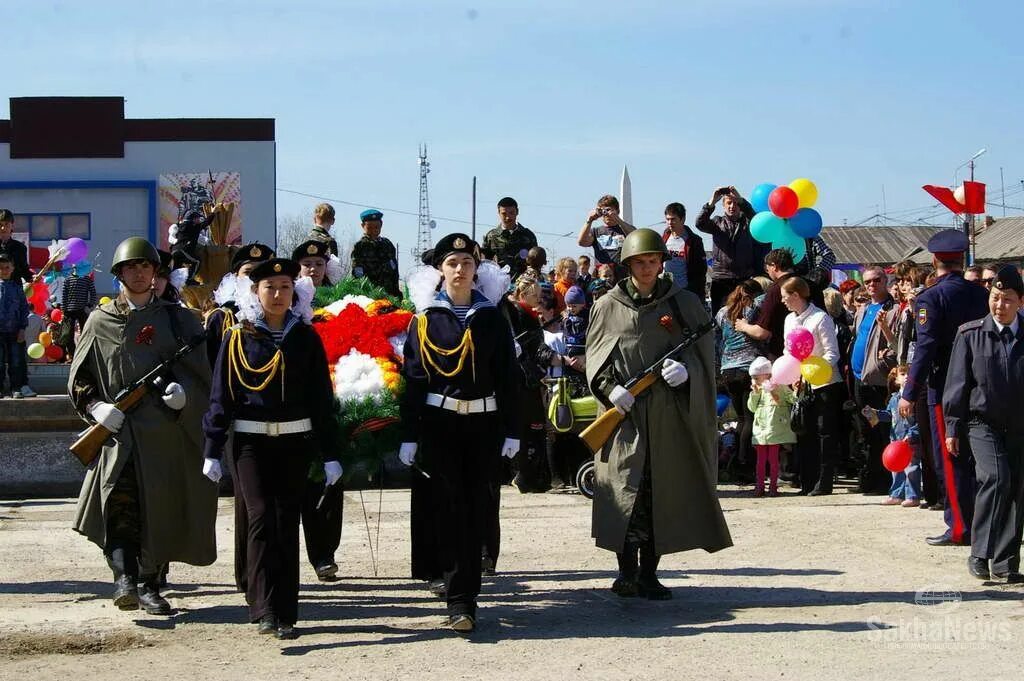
x,y
478,406
273,428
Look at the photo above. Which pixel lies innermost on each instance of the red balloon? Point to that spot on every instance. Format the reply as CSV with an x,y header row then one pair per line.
x,y
896,456
56,315
54,352
784,202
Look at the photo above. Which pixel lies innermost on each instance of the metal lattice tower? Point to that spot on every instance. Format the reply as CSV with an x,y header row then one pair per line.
x,y
423,239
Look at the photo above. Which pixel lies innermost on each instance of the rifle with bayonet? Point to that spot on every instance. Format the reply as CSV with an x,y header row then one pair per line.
x,y
598,432
87,447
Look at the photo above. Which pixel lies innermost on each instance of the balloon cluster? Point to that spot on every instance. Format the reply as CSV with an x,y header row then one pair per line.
x,y
44,345
38,294
784,215
797,361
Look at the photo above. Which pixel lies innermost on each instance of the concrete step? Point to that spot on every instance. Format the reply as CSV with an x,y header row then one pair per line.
x,y
49,379
38,414
38,465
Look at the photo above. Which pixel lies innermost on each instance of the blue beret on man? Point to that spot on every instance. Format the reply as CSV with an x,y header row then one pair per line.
x,y
370,214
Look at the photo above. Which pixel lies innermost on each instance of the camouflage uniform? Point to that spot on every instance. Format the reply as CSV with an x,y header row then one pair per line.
x,y
377,260
318,233
510,247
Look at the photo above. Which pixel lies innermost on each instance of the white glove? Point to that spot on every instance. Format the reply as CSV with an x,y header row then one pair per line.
x,y
332,471
174,396
107,415
211,469
510,448
674,373
407,452
518,347
622,399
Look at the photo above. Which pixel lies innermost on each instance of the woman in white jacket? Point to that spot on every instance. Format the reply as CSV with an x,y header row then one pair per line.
x,y
818,446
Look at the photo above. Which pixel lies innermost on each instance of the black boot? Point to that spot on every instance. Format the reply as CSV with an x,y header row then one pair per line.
x,y
647,583
625,584
150,598
824,486
124,564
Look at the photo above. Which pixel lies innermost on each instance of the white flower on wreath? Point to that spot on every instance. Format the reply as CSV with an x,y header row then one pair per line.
x,y
358,376
337,306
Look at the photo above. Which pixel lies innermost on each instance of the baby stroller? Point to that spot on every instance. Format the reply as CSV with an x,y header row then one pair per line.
x,y
571,415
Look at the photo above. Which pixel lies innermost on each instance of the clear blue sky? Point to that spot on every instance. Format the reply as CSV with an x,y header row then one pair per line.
x,y
545,101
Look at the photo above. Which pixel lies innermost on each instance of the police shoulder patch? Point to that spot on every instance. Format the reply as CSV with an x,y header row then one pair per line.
x,y
922,316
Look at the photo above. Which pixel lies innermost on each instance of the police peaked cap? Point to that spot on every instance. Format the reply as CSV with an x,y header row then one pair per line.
x,y
1009,278
455,243
273,268
949,244
311,249
254,252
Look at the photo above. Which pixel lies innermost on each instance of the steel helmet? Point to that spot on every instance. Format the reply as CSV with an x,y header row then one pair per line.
x,y
134,248
641,242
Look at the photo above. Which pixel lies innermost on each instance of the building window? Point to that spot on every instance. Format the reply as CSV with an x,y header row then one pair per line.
x,y
50,226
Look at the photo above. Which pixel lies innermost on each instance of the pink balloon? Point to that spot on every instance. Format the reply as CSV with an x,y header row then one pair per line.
x,y
800,343
785,370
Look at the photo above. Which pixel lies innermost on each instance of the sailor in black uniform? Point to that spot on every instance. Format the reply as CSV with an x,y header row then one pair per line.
x,y
459,415
271,382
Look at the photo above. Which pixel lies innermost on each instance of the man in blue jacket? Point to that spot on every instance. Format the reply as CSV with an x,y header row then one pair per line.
x,y
940,310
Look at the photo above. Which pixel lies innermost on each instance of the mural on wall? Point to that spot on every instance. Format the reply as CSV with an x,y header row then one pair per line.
x,y
181,193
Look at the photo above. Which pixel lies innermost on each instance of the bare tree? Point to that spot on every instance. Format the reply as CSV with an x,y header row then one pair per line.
x,y
292,230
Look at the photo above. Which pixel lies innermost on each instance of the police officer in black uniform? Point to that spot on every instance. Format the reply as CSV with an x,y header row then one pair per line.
x,y
986,372
940,310
272,384
459,414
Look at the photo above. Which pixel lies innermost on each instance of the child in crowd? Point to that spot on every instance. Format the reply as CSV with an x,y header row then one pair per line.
x,y
606,273
770,404
597,288
574,322
565,275
13,320
906,484
536,259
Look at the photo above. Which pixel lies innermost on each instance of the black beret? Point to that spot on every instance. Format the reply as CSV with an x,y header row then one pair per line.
x,y
455,243
311,249
273,268
254,252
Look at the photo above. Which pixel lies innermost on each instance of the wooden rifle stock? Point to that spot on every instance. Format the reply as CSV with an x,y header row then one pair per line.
x,y
87,447
605,425
598,432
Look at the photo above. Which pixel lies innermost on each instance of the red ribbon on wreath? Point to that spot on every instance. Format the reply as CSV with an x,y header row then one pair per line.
x,y
666,322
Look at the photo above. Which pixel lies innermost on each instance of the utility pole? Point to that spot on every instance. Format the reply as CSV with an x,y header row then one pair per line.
x,y
423,237
1002,187
474,209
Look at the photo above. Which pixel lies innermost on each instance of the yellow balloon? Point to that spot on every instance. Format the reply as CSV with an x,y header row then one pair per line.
x,y
104,300
36,351
816,371
45,339
805,191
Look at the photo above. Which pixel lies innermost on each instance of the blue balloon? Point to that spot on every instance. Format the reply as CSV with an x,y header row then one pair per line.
x,y
721,404
766,227
806,223
759,197
795,243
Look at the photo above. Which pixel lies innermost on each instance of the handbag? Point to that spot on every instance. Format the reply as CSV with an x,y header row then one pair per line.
x,y
799,413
